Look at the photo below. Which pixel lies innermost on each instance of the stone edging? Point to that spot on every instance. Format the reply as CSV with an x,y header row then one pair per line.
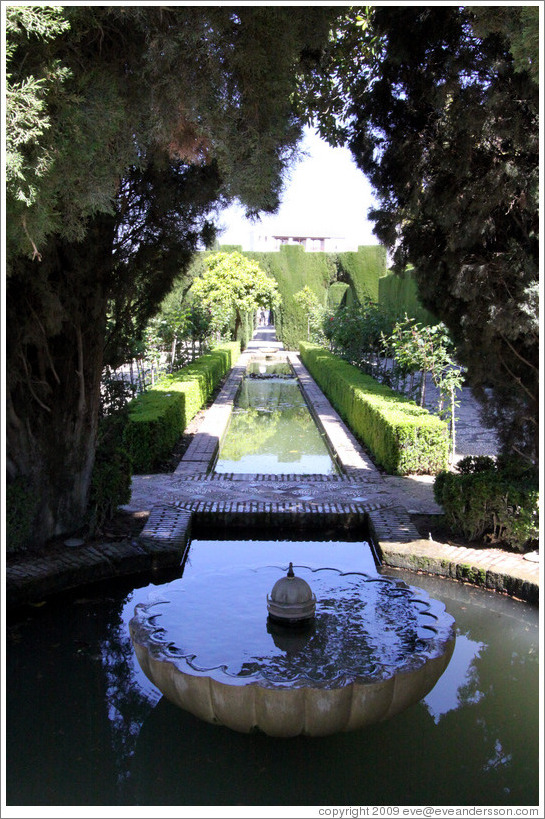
x,y
163,542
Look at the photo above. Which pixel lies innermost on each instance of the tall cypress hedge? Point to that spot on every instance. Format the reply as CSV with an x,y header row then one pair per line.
x,y
293,268
399,295
353,276
362,271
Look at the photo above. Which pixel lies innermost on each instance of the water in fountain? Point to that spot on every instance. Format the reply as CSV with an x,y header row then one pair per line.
x,y
385,639
84,726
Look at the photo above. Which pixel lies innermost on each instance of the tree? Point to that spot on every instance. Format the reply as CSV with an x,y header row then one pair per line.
x,y
234,286
130,126
315,312
440,109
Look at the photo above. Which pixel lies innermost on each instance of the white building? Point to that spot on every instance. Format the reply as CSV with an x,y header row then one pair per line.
x,y
312,244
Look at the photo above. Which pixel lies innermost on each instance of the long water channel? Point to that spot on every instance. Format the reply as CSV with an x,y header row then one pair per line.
x,y
272,431
86,727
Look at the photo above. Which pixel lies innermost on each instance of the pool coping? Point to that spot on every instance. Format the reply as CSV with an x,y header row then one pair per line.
x,y
366,498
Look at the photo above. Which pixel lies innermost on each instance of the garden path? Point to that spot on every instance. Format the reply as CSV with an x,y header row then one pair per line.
x,y
362,495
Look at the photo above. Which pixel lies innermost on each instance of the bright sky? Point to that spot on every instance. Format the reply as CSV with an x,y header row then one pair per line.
x,y
326,194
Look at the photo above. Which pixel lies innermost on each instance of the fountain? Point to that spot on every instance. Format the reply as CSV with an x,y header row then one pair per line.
x,y
342,649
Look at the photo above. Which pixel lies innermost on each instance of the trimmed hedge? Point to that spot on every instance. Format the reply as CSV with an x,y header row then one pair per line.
x,y
293,268
158,417
402,437
398,294
337,295
493,502
362,270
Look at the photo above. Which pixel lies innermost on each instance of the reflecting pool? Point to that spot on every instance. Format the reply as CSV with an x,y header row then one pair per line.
x,y
86,727
272,430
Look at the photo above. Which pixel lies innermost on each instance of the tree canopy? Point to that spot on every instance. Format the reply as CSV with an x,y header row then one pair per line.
x,y
232,285
439,106
129,127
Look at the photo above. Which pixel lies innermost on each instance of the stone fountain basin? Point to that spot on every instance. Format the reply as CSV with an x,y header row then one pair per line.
x,y
324,681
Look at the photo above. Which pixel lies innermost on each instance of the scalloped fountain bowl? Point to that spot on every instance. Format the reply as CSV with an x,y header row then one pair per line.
x,y
376,647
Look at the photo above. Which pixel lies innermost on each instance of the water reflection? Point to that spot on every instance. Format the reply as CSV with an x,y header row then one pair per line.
x,y
85,727
459,683
272,432
366,626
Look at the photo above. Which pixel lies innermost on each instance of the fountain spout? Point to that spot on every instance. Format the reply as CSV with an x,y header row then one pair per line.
x,y
291,601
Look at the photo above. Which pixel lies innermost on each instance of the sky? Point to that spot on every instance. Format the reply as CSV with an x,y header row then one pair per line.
x,y
325,194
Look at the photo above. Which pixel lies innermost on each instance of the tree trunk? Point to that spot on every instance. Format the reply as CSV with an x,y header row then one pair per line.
x,y
56,313
238,324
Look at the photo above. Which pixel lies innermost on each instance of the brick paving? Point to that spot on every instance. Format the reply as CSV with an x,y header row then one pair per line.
x,y
360,496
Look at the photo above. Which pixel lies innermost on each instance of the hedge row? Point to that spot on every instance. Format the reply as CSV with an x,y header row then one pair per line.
x,y
157,418
399,294
363,270
293,268
490,501
402,437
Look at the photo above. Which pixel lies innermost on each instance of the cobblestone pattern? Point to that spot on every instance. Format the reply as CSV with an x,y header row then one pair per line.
x,y
360,498
392,525
167,525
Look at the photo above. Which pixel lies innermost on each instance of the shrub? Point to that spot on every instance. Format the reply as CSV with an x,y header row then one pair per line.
x,y
402,437
112,472
490,501
157,418
475,463
20,509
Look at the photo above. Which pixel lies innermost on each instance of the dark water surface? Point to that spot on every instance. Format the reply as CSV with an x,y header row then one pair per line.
x,y
213,620
85,727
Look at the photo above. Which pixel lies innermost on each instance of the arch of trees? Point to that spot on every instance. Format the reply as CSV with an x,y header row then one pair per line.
x,y
130,127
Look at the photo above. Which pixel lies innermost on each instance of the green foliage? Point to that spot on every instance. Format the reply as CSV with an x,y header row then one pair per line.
x,y
158,417
233,287
363,270
315,312
293,269
490,501
21,503
337,295
96,87
520,26
442,117
131,127
475,463
398,295
355,333
427,349
112,471
28,159
401,436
